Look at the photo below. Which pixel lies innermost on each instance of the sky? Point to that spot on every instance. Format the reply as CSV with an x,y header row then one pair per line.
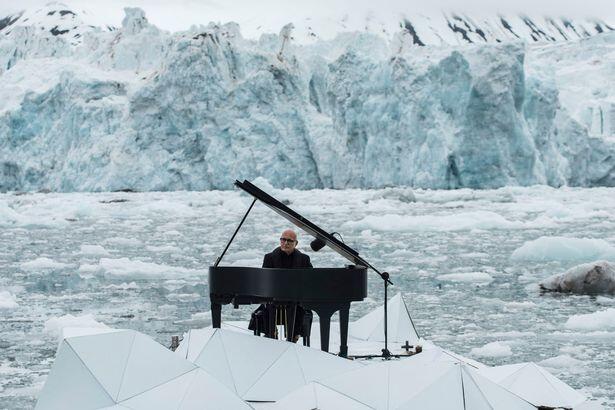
x,y
181,14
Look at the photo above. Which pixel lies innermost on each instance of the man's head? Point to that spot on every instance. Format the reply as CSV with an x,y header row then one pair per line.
x,y
288,241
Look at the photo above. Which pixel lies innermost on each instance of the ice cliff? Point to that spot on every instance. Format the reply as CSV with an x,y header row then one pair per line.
x,y
143,109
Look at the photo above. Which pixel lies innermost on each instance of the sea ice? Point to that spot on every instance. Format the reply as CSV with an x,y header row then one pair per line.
x,y
493,349
56,325
42,263
440,223
475,277
7,300
94,250
561,248
562,362
601,320
123,241
135,268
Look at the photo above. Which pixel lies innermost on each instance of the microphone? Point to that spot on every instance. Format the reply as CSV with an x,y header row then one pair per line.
x,y
317,244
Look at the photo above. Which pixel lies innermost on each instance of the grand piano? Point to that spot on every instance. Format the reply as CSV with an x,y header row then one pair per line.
x,y
322,290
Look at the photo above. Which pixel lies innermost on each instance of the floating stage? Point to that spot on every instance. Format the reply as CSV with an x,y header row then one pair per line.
x,y
230,368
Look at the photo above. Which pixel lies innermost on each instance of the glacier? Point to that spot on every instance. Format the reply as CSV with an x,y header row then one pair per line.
x,y
139,108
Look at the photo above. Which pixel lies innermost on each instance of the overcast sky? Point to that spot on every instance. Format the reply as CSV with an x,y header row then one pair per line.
x,y
181,14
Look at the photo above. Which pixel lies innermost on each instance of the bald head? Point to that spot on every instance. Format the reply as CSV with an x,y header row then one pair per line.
x,y
288,241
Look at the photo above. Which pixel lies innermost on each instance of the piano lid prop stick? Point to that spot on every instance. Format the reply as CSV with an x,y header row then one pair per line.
x,y
235,233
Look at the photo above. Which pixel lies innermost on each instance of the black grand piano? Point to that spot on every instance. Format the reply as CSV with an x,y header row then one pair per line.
x,y
323,290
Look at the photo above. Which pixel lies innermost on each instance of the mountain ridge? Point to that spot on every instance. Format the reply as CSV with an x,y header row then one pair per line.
x,y
442,28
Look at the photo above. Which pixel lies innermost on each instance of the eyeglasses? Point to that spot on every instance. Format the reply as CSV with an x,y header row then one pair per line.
x,y
287,240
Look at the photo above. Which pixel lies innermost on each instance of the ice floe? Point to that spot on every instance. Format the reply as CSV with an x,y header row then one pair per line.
x,y
135,268
561,248
591,278
493,349
475,277
55,326
601,320
441,223
42,264
7,300
93,250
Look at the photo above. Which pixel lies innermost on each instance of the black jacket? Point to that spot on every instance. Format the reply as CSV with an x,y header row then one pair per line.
x,y
279,259
303,318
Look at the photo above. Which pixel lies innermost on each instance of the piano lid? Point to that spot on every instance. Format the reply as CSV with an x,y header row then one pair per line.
x,y
306,225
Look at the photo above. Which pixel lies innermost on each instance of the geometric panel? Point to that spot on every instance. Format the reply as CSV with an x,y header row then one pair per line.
x,y
149,365
213,359
106,356
70,385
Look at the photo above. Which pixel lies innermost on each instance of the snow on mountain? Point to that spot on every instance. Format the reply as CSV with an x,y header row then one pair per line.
x,y
53,19
144,109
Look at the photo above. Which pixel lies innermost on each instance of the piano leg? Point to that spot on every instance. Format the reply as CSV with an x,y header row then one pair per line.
x,y
271,328
325,324
291,312
344,310
216,314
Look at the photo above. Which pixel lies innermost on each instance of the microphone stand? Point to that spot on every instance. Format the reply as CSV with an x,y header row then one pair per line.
x,y
386,353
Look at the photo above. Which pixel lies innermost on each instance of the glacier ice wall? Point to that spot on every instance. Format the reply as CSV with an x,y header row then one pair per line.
x,y
139,108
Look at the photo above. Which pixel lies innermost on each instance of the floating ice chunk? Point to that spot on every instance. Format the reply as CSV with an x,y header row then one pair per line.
x,y
56,325
562,248
42,264
601,320
493,349
94,250
440,223
592,278
563,361
514,306
123,241
478,277
196,319
88,268
137,268
7,300
603,300
124,286
8,216
589,405
183,297
164,249
247,262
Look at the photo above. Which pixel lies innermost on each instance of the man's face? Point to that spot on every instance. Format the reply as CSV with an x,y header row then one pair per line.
x,y
288,241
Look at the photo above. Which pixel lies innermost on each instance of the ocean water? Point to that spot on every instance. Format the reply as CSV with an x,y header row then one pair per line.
x,y
139,261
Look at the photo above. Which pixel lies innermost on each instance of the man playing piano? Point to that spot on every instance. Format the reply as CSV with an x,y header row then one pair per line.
x,y
285,256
